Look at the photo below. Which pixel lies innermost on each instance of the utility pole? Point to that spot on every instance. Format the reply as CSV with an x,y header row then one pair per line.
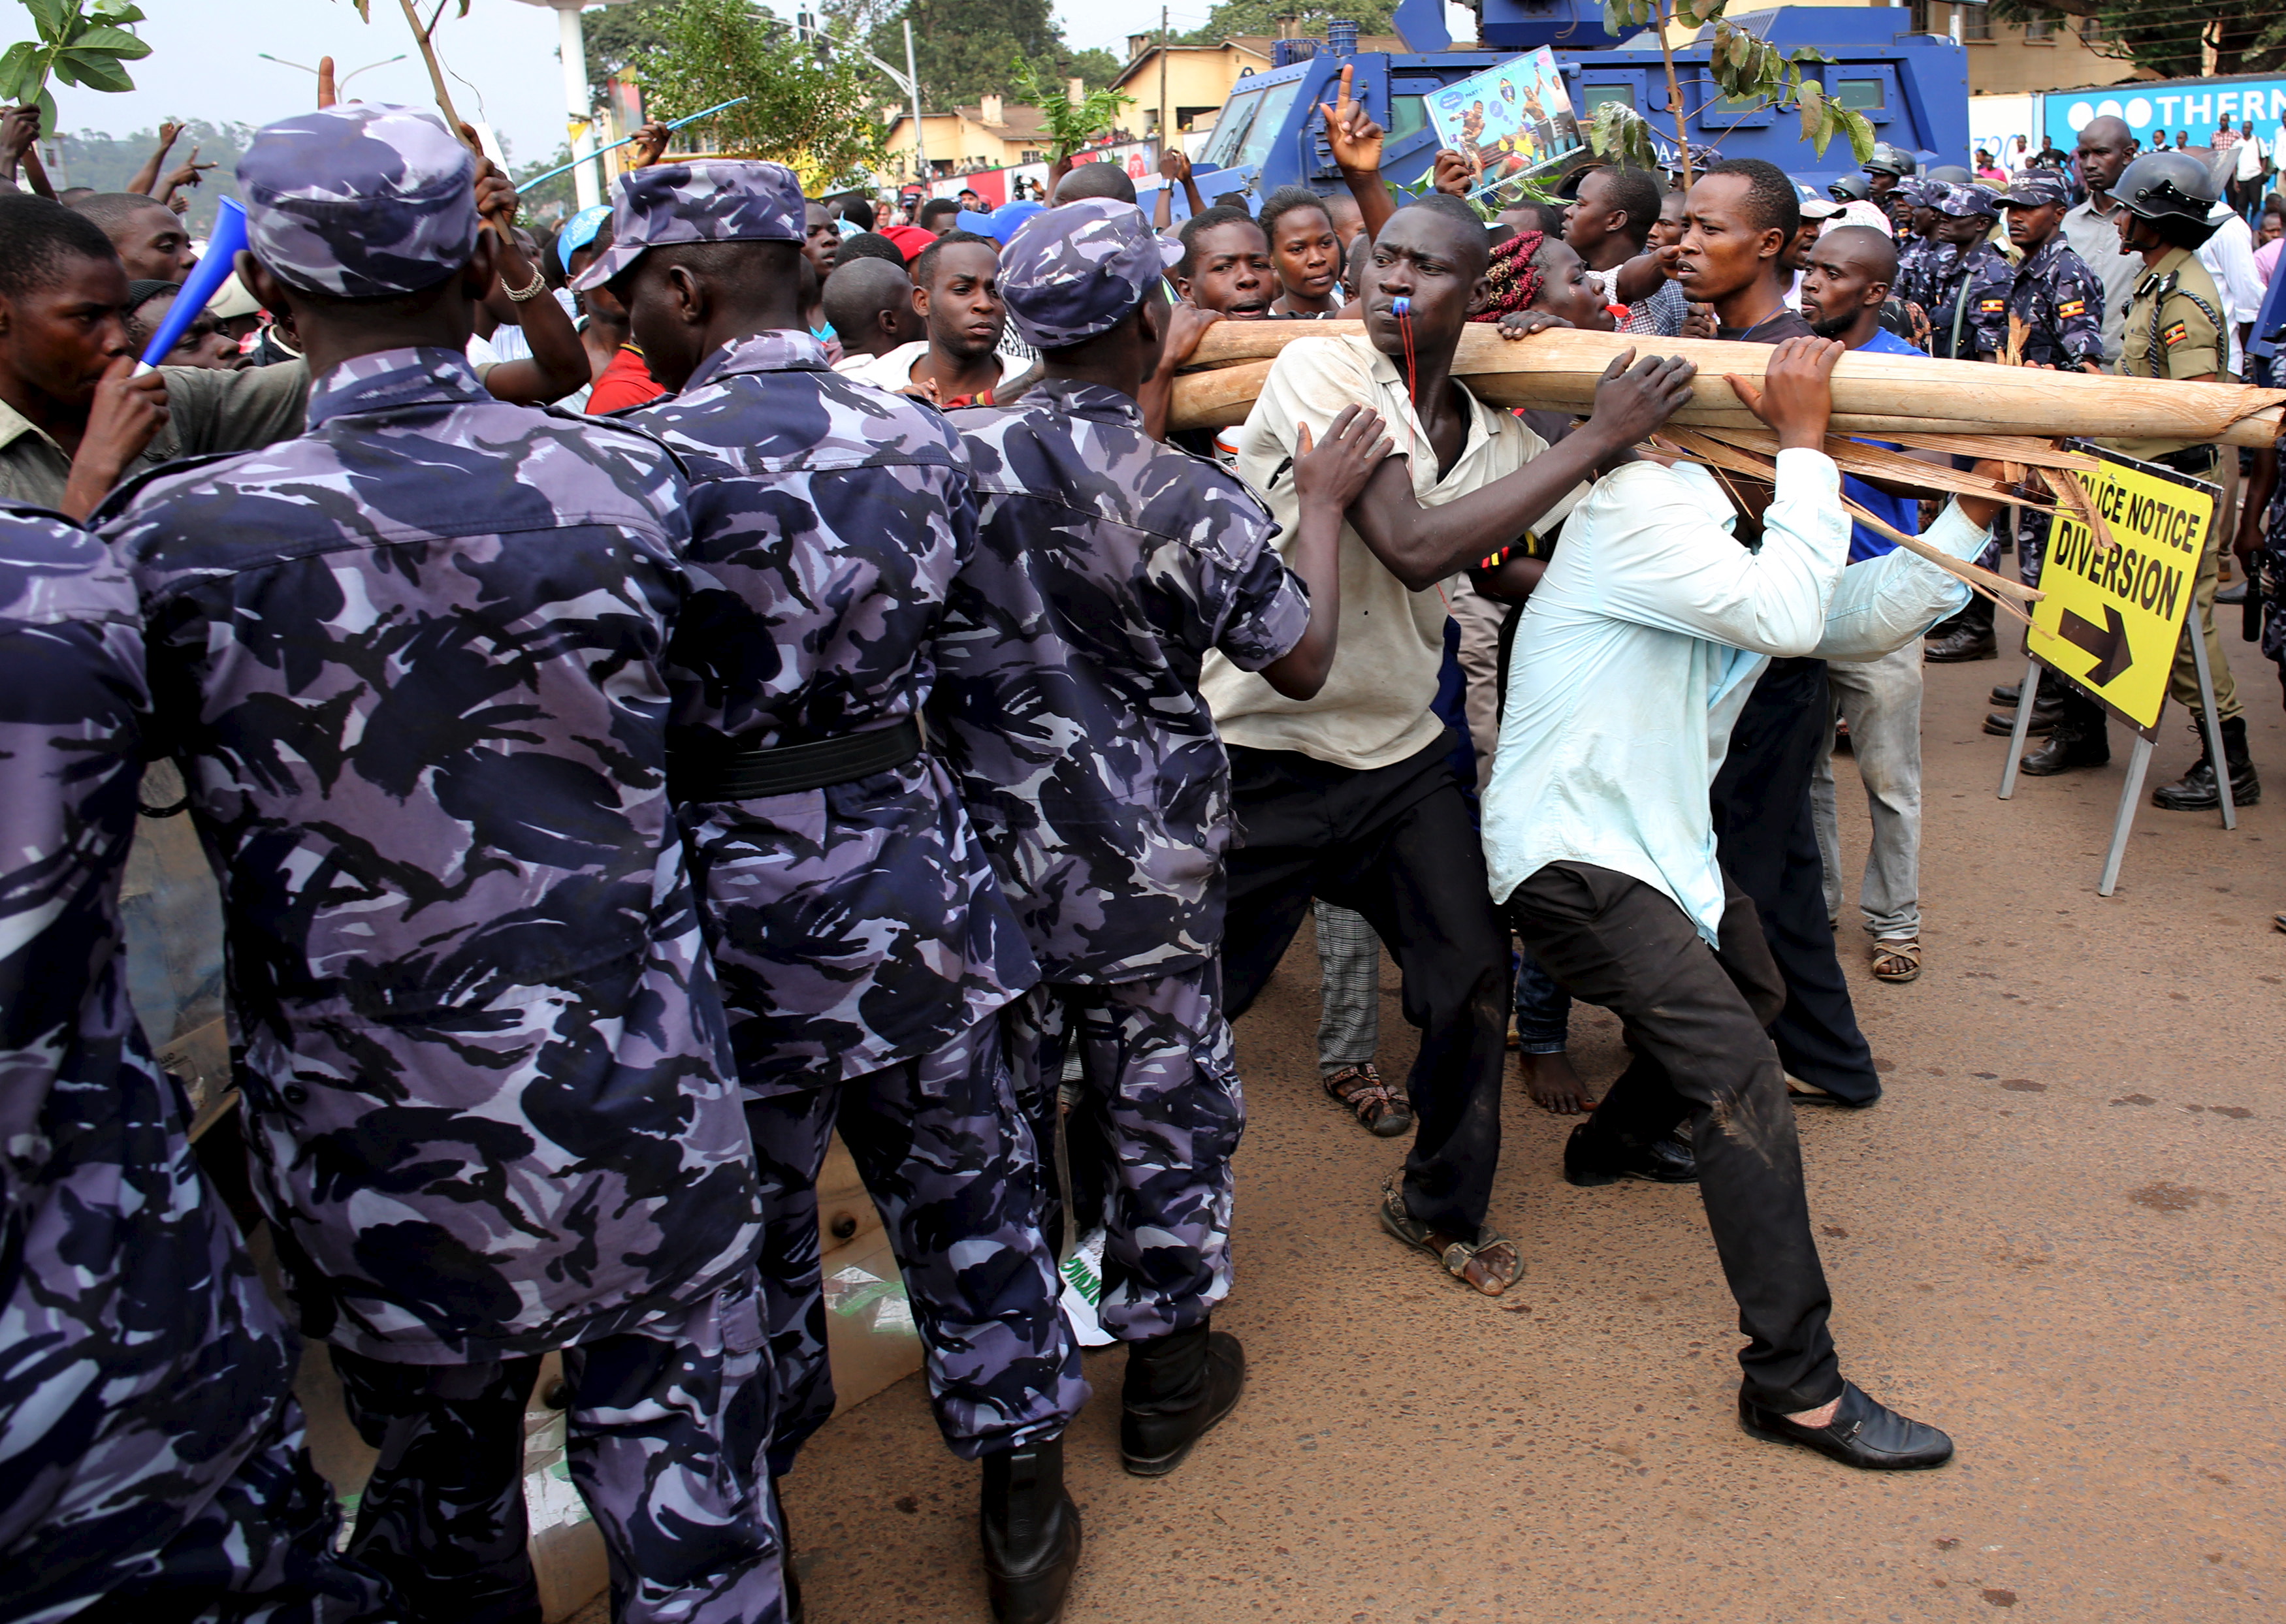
x,y
913,85
1166,124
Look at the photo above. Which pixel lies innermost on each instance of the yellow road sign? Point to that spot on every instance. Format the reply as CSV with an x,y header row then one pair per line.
x,y
2112,616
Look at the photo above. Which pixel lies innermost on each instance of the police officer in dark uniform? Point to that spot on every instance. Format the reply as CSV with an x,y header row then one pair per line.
x,y
1968,283
1884,171
413,665
2174,328
2055,313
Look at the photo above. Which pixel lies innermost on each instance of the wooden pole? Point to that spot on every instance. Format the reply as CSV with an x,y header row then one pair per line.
x,y
1882,396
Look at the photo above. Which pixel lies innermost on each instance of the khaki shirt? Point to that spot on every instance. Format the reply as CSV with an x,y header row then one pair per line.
x,y
206,411
1375,707
2172,330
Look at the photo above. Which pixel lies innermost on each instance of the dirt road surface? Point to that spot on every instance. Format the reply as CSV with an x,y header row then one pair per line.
x,y
2060,1236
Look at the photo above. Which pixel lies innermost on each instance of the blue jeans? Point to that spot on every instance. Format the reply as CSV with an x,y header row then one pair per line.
x,y
1543,1009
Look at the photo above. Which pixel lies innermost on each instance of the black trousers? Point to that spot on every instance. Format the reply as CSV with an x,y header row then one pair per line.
x,y
1396,844
1695,1015
1766,841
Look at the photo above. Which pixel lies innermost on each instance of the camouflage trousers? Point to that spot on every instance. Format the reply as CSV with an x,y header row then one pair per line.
x,y
667,1427
951,1163
260,1552
1157,1121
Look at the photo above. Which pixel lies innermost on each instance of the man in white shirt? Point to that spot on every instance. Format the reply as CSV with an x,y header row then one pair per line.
x,y
2092,228
1634,659
2228,255
1350,796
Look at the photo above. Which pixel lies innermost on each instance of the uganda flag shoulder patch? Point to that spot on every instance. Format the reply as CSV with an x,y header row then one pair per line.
x,y
2070,308
1992,307
2176,335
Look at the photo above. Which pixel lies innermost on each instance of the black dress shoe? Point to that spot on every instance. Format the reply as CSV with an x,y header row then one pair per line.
x,y
1969,642
1178,1387
1864,1433
1590,1166
2006,693
1029,1530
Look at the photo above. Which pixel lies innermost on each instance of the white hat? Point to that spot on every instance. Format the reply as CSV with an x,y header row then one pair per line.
x,y
231,301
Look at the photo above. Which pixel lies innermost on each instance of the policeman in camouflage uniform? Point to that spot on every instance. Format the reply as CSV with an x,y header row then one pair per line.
x,y
1068,707
154,1456
865,949
1968,281
414,665
2059,303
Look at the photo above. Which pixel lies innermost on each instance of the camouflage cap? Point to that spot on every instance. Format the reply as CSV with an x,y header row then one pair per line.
x,y
1950,197
2035,187
1077,270
721,200
360,200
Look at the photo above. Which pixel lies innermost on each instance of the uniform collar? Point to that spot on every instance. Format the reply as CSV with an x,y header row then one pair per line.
x,y
2161,269
774,350
388,378
1097,402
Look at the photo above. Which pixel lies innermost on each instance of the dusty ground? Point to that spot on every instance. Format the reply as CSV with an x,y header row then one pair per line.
x,y
2060,1236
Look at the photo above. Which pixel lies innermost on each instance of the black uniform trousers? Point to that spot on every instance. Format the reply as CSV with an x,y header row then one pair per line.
x,y
1766,841
1695,1016
1397,844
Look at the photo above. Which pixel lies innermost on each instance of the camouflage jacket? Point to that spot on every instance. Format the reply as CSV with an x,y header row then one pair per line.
x,y
1967,291
1069,703
413,665
857,926
139,1359
2061,301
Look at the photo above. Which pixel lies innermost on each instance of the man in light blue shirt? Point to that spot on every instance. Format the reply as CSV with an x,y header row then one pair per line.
x,y
1634,659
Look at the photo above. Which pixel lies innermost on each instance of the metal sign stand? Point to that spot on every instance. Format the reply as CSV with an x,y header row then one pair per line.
x,y
2139,763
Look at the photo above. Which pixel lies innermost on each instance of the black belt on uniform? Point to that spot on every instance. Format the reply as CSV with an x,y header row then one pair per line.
x,y
731,773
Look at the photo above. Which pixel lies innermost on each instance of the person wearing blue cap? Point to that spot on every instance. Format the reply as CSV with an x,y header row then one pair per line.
x,y
1110,565
1968,281
414,666
864,950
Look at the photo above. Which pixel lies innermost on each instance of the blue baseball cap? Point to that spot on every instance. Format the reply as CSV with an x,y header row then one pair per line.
x,y
578,233
1002,224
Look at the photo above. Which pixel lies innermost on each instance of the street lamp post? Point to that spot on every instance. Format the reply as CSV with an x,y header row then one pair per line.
x,y
342,84
587,181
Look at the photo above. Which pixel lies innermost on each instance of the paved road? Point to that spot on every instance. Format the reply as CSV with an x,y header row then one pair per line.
x,y
2061,1236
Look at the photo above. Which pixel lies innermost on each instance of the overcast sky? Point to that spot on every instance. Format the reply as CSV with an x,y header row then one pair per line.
x,y
204,62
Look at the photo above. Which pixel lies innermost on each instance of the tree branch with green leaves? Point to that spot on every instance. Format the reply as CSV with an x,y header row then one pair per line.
x,y
79,44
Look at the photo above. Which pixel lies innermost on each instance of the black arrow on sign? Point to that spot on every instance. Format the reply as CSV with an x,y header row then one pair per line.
x,y
2107,643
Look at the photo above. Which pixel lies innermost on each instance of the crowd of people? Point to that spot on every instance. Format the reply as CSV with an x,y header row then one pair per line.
x,y
751,667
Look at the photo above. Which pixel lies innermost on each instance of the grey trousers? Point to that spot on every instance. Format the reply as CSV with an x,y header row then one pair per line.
x,y
1881,700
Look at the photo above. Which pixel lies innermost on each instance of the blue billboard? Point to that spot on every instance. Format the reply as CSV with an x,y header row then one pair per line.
x,y
2157,110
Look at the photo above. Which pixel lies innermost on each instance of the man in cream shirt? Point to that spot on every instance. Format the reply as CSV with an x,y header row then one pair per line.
x,y
1349,796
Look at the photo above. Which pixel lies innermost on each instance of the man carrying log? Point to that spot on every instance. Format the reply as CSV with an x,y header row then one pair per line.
x,y
1742,217
1349,796
1638,650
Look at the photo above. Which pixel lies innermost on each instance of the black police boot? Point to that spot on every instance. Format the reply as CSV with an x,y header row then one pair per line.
x,y
1178,1387
2196,791
2046,711
2009,693
1966,636
1029,1530
2080,739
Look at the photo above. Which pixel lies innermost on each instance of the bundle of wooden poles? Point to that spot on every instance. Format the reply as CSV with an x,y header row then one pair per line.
x,y
2009,415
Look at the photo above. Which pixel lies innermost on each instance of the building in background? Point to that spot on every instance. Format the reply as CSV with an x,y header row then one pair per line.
x,y
994,134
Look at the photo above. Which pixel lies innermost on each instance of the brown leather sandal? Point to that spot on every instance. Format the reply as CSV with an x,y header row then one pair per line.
x,y
1491,1264
1897,959
1380,1107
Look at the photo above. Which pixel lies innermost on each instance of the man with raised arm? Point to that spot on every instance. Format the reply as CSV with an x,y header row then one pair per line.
x,y
1350,794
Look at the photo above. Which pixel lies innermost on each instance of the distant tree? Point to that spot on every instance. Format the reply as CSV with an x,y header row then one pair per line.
x,y
1251,19
809,108
616,36
963,47
107,162
2184,39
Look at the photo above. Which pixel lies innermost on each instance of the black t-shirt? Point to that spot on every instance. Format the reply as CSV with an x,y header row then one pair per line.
x,y
1770,330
